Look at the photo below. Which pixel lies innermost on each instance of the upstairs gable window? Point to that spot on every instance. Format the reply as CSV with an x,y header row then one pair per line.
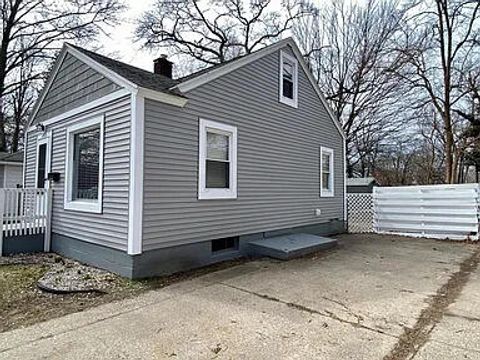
x,y
288,79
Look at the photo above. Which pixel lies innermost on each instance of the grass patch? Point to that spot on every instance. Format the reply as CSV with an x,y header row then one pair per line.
x,y
23,304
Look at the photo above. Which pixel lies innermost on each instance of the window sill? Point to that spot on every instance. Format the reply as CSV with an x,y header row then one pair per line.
x,y
83,206
217,194
289,102
326,194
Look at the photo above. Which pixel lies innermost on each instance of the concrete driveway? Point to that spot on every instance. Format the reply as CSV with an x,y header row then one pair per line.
x,y
373,297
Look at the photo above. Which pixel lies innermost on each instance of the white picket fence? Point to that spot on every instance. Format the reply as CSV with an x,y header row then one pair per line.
x,y
25,212
434,211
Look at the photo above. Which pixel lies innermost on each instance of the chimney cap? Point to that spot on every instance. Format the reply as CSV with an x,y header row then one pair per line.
x,y
161,57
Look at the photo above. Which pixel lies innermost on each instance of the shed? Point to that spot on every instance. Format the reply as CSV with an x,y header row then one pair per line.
x,y
361,185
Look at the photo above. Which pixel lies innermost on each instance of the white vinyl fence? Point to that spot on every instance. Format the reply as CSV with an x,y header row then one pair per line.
x,y
434,211
25,212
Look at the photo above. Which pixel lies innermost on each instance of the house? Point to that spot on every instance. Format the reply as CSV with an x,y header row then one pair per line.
x,y
361,185
11,169
155,175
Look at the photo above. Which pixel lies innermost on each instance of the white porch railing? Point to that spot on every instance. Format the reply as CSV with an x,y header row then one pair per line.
x,y
25,212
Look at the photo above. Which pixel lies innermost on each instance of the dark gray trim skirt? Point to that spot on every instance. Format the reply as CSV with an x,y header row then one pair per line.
x,y
173,259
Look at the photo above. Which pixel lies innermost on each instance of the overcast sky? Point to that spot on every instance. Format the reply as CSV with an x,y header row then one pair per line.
x,y
120,45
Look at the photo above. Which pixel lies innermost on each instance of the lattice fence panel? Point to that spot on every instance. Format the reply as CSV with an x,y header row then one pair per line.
x,y
360,213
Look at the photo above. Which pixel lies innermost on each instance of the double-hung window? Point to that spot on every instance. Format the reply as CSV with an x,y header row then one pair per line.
x,y
326,172
84,166
217,161
288,79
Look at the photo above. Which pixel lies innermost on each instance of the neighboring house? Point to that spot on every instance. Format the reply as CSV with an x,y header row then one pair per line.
x,y
11,169
361,185
159,174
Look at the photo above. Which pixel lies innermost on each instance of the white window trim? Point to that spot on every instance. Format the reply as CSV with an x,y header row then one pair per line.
x,y
324,192
291,102
44,138
82,205
231,131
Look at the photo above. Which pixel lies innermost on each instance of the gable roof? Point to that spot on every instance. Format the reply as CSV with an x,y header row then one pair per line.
x,y
361,181
141,77
168,90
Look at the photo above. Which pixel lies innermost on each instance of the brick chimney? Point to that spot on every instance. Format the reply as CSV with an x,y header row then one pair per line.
x,y
162,66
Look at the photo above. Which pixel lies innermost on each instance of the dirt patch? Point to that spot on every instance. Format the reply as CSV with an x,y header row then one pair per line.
x,y
23,304
413,339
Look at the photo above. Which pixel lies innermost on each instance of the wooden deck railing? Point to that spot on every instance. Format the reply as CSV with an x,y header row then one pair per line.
x,y
25,212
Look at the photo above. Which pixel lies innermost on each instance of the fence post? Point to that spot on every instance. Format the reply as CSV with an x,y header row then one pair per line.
x,y
2,210
48,225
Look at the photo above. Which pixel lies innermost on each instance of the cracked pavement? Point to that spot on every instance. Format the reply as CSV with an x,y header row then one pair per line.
x,y
355,302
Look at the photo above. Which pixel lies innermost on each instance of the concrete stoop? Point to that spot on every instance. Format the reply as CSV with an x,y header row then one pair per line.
x,y
286,247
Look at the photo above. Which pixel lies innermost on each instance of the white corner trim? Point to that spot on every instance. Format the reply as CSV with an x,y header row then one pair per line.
x,y
4,177
83,205
324,192
170,99
231,131
45,138
135,198
83,108
287,101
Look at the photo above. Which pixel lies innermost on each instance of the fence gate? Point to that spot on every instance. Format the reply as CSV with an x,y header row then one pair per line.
x,y
360,213
25,219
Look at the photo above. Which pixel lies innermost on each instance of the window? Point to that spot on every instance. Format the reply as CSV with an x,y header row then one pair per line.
x,y
288,79
217,161
326,172
84,166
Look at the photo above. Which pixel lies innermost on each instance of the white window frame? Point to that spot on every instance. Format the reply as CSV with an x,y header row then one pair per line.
x,y
325,192
44,138
285,100
83,205
231,132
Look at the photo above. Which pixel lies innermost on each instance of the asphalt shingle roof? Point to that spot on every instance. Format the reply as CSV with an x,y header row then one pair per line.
x,y
140,77
147,79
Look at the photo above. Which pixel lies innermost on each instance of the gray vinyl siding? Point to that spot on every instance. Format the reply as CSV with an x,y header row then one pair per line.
x,y
111,227
75,84
278,160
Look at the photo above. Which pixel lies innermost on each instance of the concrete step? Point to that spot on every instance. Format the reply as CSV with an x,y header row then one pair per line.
x,y
286,247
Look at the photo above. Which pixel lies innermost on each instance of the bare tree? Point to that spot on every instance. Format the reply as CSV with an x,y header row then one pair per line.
x,y
32,30
215,31
350,49
441,46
